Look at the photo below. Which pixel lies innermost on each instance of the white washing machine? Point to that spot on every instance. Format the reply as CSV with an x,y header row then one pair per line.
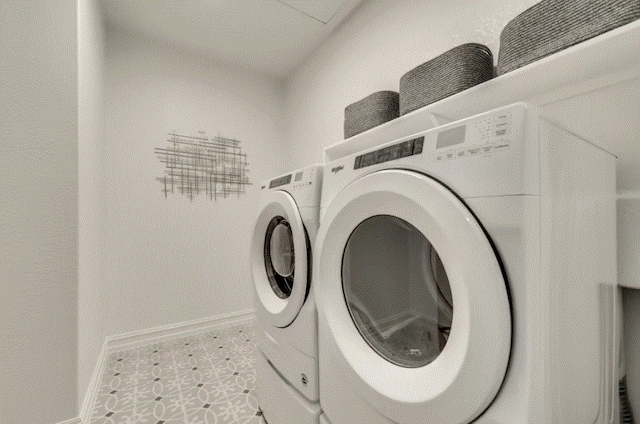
x,y
468,274
281,260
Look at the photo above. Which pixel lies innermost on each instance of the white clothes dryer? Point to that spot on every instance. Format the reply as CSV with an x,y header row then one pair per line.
x,y
286,312
468,274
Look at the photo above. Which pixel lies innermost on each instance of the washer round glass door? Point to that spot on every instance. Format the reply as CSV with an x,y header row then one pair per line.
x,y
279,256
412,299
279,259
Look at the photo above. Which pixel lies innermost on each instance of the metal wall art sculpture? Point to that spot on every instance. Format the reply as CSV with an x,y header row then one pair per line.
x,y
197,165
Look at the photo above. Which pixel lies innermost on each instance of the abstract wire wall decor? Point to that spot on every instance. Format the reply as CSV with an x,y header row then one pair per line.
x,y
197,165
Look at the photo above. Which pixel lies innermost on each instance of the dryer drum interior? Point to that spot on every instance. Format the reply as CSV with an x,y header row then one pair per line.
x,y
397,291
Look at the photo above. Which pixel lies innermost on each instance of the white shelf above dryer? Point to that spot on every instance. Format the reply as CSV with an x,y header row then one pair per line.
x,y
608,60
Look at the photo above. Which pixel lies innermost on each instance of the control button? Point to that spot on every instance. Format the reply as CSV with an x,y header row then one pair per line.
x,y
461,153
450,155
473,152
502,118
501,131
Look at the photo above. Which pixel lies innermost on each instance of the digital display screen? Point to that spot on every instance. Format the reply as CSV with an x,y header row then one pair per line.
x,y
451,137
280,181
397,151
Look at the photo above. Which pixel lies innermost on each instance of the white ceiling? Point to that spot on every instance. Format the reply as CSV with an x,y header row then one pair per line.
x,y
267,36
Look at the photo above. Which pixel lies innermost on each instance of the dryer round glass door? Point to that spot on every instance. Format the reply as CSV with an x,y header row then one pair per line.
x,y
410,324
412,301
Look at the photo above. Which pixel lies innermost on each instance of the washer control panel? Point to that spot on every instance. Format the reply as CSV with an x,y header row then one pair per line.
x,y
280,181
481,137
301,179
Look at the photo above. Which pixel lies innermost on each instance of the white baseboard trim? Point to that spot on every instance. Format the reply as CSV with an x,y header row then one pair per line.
x,y
153,335
94,385
158,334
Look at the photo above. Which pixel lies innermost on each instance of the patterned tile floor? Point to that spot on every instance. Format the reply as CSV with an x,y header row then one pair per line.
x,y
204,378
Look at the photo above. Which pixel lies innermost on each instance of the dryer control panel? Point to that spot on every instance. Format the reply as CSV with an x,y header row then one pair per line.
x,y
495,153
481,137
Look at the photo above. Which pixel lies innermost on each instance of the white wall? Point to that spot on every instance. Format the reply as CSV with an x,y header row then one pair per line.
x,y
169,260
371,50
38,211
91,293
